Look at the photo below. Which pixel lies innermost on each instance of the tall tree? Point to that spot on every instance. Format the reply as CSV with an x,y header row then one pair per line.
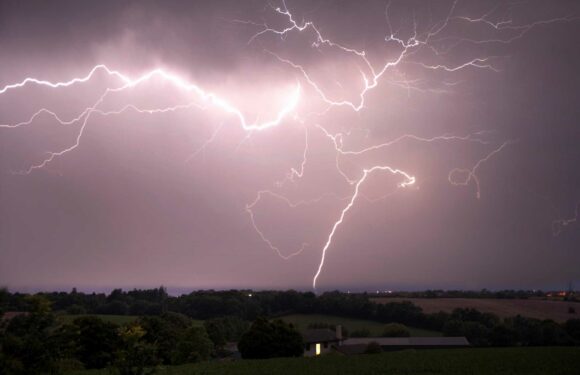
x,y
267,339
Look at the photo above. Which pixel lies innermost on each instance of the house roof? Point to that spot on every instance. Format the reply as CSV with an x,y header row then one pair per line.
x,y
409,341
319,335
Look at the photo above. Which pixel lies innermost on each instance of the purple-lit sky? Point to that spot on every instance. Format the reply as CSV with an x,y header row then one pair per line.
x,y
414,144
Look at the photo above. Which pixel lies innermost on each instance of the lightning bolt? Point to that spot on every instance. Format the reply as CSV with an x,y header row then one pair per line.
x,y
559,225
431,40
205,96
177,81
408,180
469,174
373,75
54,85
249,210
206,143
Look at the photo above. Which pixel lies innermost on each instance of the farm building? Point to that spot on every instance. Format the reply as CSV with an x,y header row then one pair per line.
x,y
320,341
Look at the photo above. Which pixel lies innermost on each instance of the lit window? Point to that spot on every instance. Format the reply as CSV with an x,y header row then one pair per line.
x,y
317,349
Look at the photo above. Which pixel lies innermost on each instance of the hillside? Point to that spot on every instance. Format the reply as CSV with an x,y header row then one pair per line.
x,y
532,308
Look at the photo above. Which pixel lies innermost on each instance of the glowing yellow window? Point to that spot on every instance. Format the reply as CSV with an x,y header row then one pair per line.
x,y
317,349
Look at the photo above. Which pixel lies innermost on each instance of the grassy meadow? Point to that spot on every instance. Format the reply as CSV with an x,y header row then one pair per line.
x,y
485,361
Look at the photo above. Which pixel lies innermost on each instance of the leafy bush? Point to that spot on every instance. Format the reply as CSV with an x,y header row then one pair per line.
x,y
453,328
502,335
96,341
27,345
396,330
476,333
165,331
137,357
224,330
195,346
572,327
76,310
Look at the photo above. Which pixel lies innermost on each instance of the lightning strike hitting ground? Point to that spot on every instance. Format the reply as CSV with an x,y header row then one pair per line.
x,y
409,180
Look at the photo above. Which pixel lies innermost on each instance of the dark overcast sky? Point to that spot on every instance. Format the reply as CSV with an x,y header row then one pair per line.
x,y
131,206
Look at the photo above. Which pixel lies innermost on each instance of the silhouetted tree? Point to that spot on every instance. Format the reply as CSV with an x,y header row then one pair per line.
x,y
267,339
502,335
476,333
554,334
165,331
572,327
135,356
453,328
29,343
223,330
195,346
96,340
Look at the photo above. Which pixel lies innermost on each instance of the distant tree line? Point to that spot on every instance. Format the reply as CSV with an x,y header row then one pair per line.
x,y
118,302
484,293
167,331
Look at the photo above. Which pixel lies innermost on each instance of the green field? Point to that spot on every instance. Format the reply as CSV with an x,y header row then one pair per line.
x,y
488,361
301,322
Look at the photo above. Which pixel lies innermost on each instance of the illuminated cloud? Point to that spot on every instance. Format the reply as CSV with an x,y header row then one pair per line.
x,y
282,128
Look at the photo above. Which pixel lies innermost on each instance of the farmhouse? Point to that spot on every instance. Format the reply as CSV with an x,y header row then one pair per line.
x,y
320,341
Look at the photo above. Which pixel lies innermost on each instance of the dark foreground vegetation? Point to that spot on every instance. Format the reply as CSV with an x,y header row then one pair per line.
x,y
193,328
248,305
485,361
